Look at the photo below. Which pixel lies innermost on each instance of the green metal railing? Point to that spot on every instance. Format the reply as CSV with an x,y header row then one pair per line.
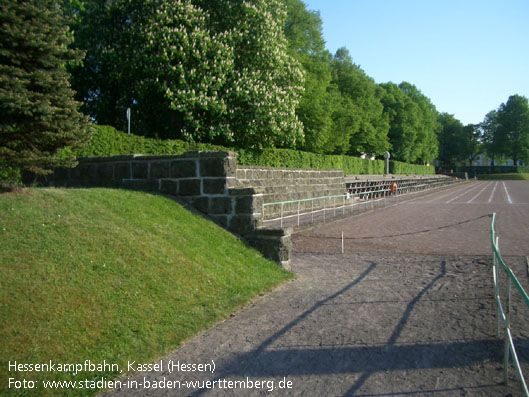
x,y
505,314
324,208
343,197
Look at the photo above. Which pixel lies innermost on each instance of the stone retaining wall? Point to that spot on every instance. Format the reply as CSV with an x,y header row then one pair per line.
x,y
283,185
212,183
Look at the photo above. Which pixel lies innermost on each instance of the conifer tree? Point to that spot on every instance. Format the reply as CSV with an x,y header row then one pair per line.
x,y
38,115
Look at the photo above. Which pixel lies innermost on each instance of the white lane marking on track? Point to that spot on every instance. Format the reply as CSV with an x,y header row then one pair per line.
x,y
473,198
455,190
507,193
465,192
493,190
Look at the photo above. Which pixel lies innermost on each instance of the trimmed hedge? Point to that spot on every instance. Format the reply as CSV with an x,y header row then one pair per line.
x,y
504,177
494,169
297,159
397,167
107,141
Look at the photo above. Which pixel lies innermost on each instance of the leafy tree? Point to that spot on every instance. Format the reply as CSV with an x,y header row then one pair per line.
x,y
366,125
205,70
181,70
303,31
472,145
451,140
489,135
426,145
403,116
266,84
458,142
39,115
156,57
513,128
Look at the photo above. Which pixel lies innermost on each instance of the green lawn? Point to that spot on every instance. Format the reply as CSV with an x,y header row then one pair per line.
x,y
505,177
103,274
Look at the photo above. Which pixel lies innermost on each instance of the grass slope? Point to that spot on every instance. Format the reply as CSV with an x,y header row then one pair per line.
x,y
102,274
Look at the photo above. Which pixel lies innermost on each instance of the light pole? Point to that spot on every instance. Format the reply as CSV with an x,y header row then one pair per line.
x,y
387,156
128,121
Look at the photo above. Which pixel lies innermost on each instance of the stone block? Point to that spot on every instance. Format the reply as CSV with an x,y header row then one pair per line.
x,y
169,186
201,204
221,205
193,154
122,171
60,176
241,173
75,173
160,169
249,204
244,224
245,191
184,169
274,246
189,187
105,172
218,167
214,186
140,184
140,170
221,220
274,233
88,172
221,154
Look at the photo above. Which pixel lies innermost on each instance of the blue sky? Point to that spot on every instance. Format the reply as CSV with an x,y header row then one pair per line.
x,y
467,56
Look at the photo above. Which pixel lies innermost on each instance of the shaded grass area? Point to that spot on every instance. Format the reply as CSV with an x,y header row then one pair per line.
x,y
504,177
110,276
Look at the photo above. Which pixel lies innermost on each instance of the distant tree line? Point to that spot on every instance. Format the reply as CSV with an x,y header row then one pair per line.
x,y
344,111
503,135
252,75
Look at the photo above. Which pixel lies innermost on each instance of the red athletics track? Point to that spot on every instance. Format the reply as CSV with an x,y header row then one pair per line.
x,y
405,242
440,212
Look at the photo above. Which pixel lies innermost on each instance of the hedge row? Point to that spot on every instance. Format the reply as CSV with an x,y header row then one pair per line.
x,y
397,167
494,169
296,159
107,141
504,177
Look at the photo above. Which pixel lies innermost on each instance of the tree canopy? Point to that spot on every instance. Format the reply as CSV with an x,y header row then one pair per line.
x,y
451,139
39,114
512,135
366,125
245,74
251,74
413,121
303,30
209,71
